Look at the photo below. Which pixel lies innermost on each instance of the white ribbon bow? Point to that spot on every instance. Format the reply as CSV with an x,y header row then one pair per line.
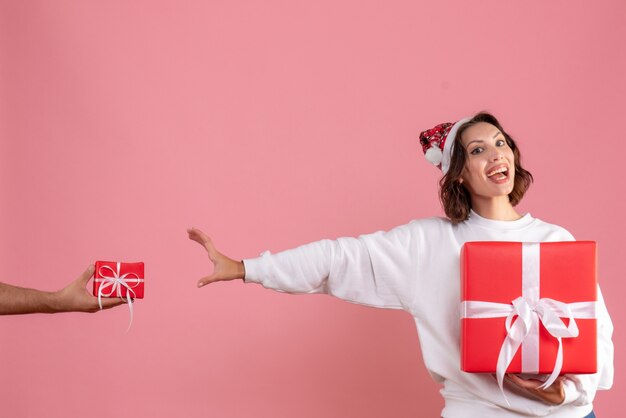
x,y
115,283
548,311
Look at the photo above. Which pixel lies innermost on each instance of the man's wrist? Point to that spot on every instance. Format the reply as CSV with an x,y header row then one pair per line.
x,y
52,302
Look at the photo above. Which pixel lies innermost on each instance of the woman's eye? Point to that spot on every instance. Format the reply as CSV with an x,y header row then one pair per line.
x,y
500,143
476,150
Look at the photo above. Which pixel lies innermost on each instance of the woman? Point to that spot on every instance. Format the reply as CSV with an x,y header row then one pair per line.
x,y
415,267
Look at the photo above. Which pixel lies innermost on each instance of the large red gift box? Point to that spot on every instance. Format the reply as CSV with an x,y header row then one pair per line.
x,y
114,279
552,282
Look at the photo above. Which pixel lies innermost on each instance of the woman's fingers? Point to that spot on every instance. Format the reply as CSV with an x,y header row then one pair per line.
x,y
199,236
206,280
554,394
531,384
518,381
204,240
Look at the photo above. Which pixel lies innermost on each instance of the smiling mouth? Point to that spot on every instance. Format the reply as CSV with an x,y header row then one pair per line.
x,y
498,174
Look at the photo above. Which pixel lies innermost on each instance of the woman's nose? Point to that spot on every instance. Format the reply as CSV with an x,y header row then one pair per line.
x,y
496,155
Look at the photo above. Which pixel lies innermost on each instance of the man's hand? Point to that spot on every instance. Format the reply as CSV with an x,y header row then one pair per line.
x,y
73,298
76,298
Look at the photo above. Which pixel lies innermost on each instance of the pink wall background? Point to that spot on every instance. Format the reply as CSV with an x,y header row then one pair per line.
x,y
269,124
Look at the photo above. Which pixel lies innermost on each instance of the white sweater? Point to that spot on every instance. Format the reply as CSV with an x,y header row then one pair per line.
x,y
415,267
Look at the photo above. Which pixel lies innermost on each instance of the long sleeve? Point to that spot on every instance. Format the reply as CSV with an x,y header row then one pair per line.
x,y
581,389
377,269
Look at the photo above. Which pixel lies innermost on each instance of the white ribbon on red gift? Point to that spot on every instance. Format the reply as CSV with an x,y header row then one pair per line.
x,y
115,283
530,310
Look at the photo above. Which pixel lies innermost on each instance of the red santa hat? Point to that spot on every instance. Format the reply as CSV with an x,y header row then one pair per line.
x,y
437,149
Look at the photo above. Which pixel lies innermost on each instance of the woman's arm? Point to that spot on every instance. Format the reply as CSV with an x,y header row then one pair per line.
x,y
377,269
73,298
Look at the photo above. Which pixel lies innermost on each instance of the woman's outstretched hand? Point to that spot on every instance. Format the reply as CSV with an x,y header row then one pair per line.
x,y
554,394
224,268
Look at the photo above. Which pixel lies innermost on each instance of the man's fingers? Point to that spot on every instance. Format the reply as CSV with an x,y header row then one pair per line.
x,y
108,303
86,275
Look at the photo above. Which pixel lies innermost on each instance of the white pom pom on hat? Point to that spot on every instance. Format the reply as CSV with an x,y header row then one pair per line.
x,y
434,155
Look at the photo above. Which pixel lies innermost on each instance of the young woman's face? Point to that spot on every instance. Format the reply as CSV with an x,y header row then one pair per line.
x,y
490,167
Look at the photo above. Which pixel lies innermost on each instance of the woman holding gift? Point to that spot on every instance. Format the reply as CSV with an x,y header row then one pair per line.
x,y
415,267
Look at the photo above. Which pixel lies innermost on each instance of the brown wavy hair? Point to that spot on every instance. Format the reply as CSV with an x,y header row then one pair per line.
x,y
454,196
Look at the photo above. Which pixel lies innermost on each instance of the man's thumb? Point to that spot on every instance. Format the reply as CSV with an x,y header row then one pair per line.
x,y
84,278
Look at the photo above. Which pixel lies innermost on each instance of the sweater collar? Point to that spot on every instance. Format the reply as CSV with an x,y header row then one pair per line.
x,y
476,219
